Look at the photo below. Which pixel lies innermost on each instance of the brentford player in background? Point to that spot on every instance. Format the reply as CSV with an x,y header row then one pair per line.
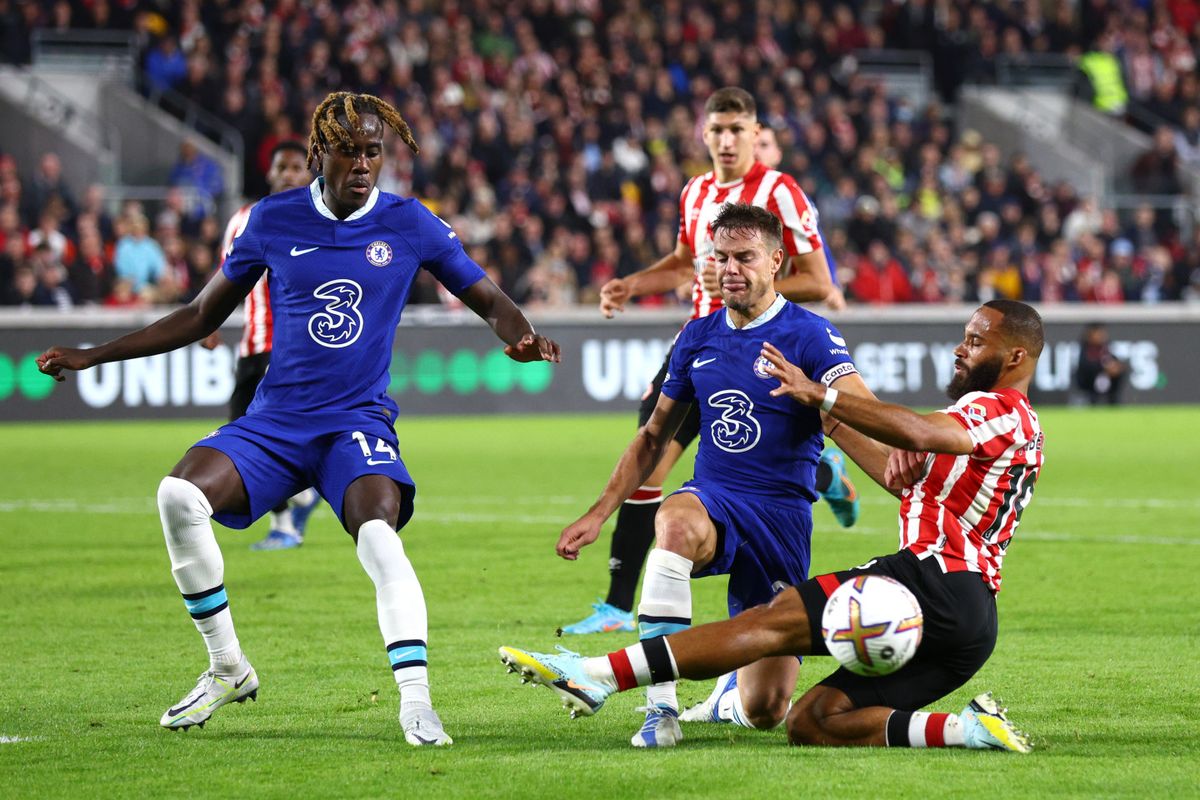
x,y
964,476
731,132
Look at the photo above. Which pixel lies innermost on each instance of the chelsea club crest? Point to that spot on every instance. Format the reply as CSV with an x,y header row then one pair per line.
x,y
760,367
379,253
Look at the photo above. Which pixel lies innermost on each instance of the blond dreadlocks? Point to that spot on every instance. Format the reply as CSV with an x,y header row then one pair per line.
x,y
327,129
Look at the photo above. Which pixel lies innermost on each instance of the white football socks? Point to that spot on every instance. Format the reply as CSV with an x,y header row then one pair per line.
x,y
199,569
282,520
729,706
401,605
665,608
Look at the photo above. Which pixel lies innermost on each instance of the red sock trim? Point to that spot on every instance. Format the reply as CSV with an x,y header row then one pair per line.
x,y
646,495
622,670
828,583
935,730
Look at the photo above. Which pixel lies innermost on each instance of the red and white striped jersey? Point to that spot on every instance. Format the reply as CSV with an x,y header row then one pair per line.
x,y
964,512
703,197
258,328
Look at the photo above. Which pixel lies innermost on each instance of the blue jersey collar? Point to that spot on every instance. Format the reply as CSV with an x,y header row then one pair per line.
x,y
317,186
764,317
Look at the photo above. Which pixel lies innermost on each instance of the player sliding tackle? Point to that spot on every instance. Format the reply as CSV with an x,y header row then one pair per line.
x,y
747,513
341,257
968,472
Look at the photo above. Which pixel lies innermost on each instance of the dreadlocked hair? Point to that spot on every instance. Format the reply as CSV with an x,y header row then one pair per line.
x,y
327,129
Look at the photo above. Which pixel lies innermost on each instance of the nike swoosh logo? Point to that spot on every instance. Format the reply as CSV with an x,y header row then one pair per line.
x,y
245,678
374,463
298,252
697,364
171,712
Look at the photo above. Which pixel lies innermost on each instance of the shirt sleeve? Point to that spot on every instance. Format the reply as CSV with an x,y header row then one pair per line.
x,y
245,261
236,224
824,356
799,217
443,255
683,237
678,383
990,421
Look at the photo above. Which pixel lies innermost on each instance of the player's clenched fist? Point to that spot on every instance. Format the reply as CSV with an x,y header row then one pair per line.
x,y
534,347
613,296
904,468
710,278
56,359
578,535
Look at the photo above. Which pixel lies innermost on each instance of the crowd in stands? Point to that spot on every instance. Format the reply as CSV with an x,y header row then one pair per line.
x,y
556,136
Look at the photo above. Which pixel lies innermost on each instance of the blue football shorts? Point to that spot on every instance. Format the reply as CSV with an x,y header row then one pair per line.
x,y
279,455
762,543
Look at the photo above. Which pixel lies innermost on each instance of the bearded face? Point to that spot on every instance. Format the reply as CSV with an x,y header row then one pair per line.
x,y
979,377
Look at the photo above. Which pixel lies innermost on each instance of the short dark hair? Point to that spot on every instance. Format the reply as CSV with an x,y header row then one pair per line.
x,y
745,218
731,99
1020,324
289,146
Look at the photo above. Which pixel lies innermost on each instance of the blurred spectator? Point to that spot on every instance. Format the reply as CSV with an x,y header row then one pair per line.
x,y
94,207
52,286
92,272
48,184
1099,375
47,233
866,226
1085,219
12,256
1103,84
1187,138
23,291
1157,170
138,258
199,172
166,67
880,278
123,296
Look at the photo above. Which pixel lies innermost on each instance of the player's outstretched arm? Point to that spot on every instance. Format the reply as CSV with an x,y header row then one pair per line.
x,y
808,280
189,324
885,422
664,275
498,310
870,455
635,465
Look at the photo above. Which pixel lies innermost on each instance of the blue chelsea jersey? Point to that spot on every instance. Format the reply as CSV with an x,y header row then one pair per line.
x,y
749,441
338,288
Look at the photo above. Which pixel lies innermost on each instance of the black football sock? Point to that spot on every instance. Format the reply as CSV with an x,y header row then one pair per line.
x,y
632,539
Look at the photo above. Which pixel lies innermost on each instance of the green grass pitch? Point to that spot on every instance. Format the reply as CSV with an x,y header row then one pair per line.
x,y
1099,630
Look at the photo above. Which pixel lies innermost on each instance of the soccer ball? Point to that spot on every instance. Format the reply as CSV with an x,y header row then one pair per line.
x,y
872,625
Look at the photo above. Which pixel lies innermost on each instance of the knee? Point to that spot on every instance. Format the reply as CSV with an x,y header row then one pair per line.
x,y
678,533
767,709
182,502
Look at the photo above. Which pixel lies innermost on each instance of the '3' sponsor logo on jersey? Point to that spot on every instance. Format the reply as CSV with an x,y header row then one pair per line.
x,y
340,323
736,431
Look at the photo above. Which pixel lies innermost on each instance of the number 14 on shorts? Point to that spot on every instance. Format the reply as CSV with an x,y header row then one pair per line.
x,y
380,447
